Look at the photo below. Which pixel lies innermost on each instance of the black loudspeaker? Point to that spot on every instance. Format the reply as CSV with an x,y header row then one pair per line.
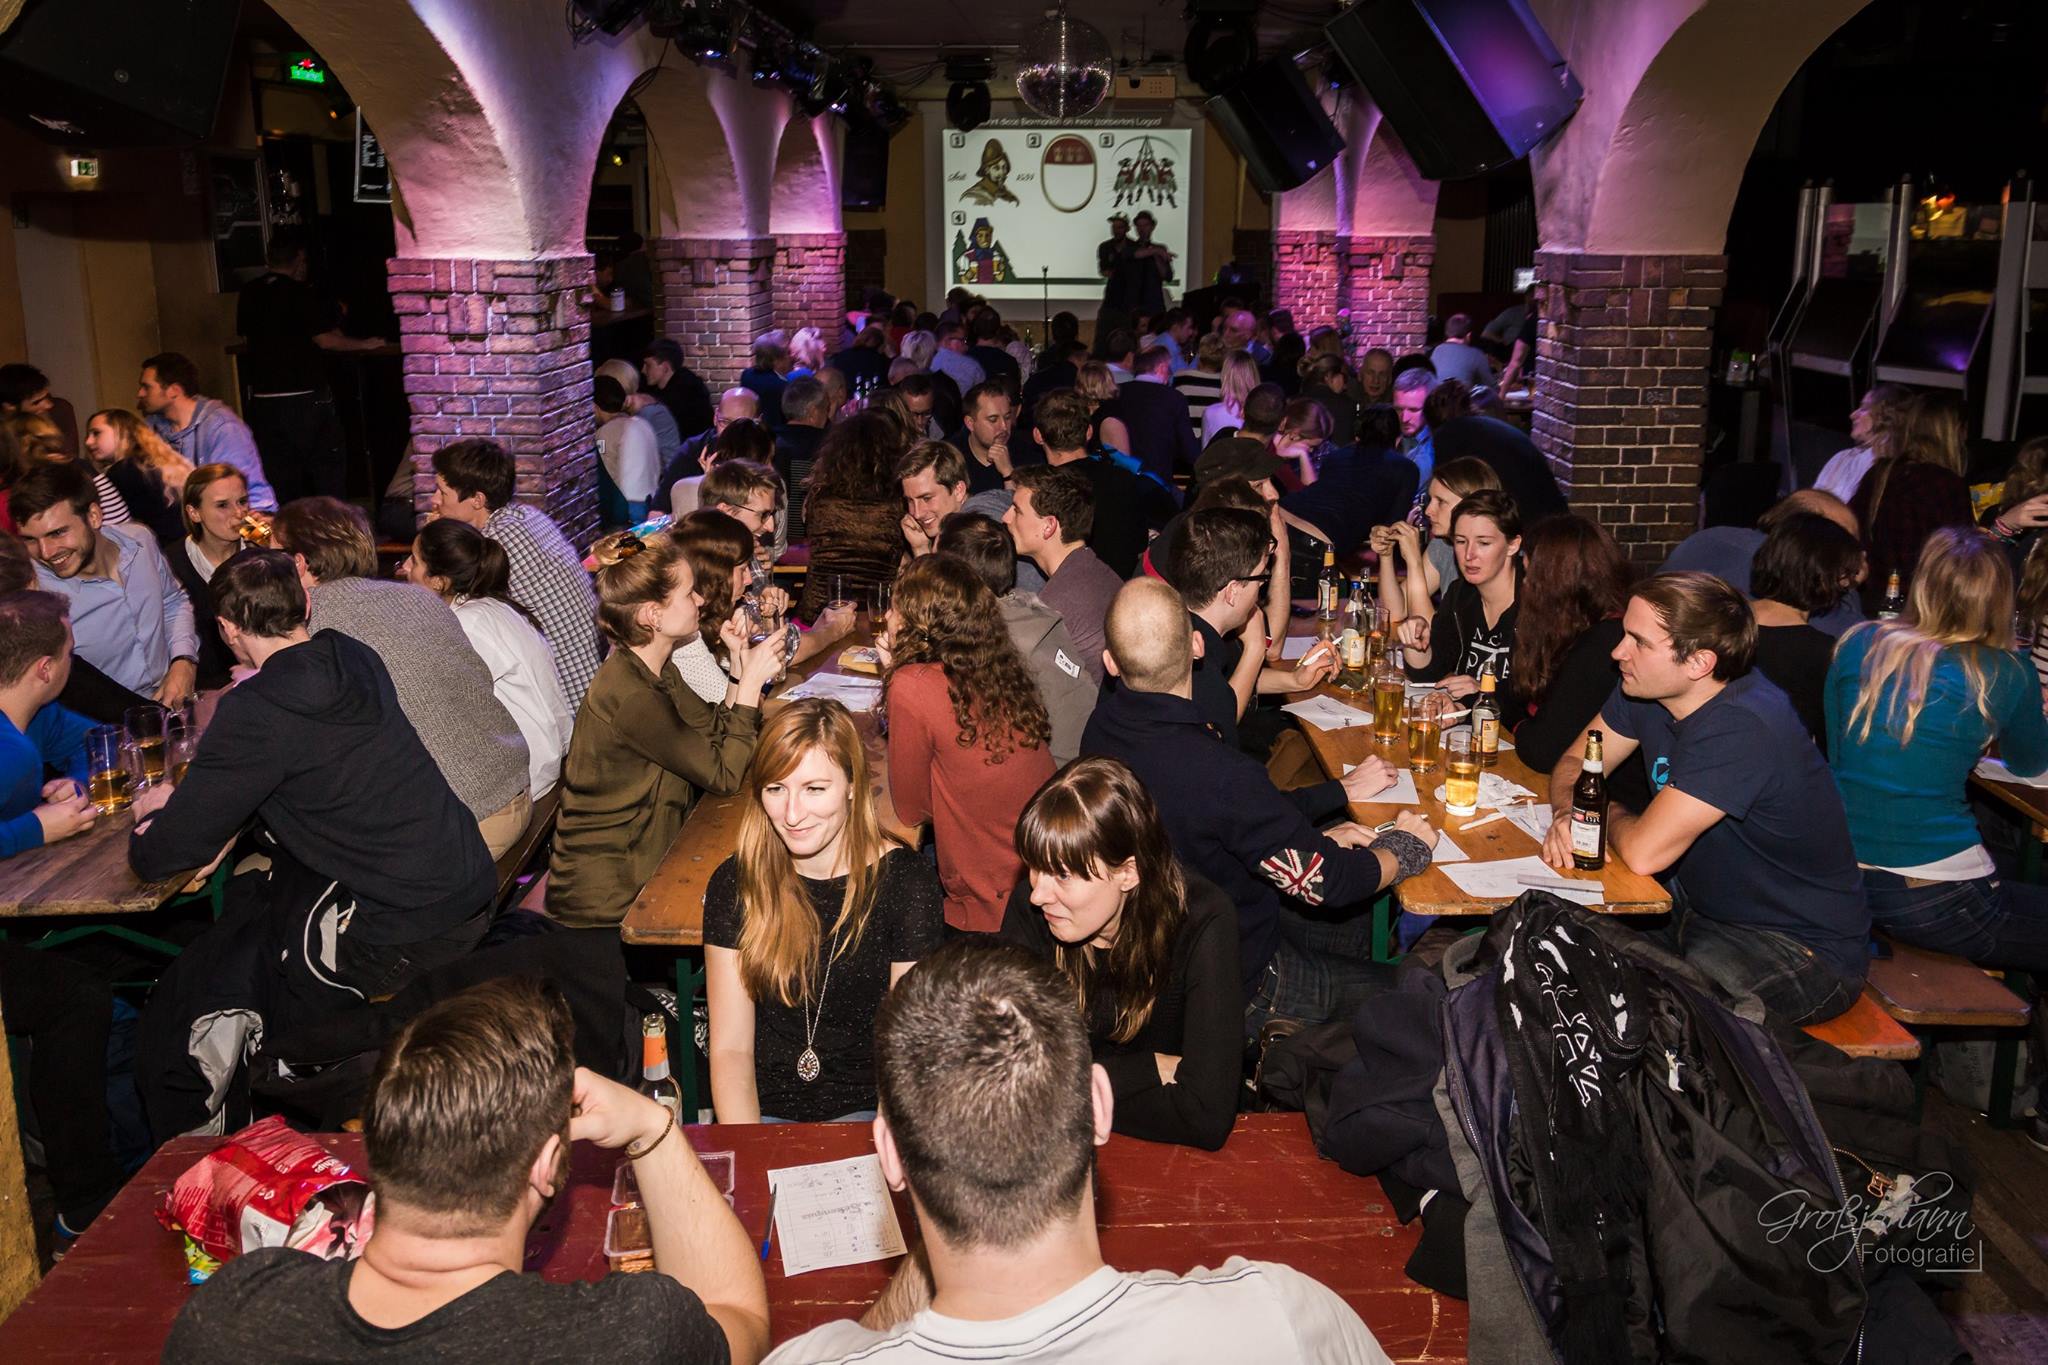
x,y
1277,125
864,167
1467,85
74,72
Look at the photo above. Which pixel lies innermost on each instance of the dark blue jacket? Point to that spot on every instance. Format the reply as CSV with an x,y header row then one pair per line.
x,y
1156,415
1226,818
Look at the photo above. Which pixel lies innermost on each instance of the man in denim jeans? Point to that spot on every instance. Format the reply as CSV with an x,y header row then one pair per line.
x,y
1745,824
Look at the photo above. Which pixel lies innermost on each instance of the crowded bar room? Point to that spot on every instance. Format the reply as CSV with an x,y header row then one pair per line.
x,y
1201,681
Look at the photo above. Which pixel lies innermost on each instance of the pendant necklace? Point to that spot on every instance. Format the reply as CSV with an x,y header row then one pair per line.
x,y
807,1067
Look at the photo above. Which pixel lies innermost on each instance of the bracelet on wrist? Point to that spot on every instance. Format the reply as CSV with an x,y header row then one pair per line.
x,y
635,1152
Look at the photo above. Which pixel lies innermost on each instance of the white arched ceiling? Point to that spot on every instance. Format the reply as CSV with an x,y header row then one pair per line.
x,y
807,171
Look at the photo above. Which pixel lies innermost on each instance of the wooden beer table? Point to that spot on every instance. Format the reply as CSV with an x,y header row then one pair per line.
x,y
669,911
1623,891
2030,804
1266,1196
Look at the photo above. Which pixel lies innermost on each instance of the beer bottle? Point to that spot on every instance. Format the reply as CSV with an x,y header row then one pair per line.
x,y
654,1072
1326,594
1486,718
1589,810
1894,600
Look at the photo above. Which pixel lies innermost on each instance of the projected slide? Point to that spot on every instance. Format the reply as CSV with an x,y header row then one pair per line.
x,y
1018,201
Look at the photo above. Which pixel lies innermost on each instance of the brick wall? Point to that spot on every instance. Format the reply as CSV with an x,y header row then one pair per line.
x,y
1306,276
502,349
810,281
713,294
1621,388
1385,284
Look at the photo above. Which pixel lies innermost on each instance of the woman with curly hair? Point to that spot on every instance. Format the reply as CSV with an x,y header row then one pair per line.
x,y
853,509
148,474
969,741
1149,947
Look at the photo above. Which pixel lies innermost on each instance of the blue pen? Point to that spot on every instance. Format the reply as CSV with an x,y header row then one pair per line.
x,y
768,1234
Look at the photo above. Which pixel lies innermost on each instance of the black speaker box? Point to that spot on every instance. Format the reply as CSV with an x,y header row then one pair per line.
x,y
1277,125
105,75
1467,85
864,167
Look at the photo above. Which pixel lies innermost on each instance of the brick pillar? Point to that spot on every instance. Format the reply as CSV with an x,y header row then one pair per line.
x,y
1385,284
810,281
714,295
1621,388
502,349
1307,271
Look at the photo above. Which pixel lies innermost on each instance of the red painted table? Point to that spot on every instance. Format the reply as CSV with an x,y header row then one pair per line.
x,y
1266,1195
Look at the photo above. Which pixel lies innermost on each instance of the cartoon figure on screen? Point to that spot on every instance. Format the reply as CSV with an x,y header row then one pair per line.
x,y
982,262
1145,177
995,169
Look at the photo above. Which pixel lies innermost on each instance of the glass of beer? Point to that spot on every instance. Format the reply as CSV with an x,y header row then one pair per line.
x,y
181,741
836,594
145,726
1461,773
110,785
1389,690
1425,726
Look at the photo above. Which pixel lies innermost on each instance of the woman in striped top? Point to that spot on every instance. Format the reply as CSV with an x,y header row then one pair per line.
x,y
1203,384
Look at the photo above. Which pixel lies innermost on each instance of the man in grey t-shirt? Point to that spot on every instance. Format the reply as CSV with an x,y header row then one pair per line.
x,y
468,1129
990,1110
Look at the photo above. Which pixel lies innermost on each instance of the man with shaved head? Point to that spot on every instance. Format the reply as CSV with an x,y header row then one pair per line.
x,y
1305,944
1726,552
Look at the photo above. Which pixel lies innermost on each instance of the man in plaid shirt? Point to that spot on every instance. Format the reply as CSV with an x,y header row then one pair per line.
x,y
473,481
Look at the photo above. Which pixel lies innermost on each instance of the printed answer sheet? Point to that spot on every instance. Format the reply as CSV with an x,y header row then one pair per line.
x,y
834,1213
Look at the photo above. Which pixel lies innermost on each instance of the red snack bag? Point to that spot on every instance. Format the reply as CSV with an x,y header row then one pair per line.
x,y
266,1186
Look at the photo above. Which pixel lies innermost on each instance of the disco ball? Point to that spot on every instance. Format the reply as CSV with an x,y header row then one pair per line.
x,y
1064,69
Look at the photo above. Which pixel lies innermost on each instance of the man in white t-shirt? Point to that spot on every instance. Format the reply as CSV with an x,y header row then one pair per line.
x,y
990,1111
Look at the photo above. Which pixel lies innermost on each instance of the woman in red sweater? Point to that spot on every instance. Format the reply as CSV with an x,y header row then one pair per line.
x,y
969,742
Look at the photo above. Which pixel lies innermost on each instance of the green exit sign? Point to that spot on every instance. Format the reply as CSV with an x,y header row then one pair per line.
x,y
306,70
85,168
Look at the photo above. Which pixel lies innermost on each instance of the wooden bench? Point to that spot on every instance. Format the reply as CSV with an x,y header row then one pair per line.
x,y
1865,1030
540,827
1920,986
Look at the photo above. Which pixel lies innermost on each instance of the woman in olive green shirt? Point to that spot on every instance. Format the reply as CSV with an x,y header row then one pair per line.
x,y
645,745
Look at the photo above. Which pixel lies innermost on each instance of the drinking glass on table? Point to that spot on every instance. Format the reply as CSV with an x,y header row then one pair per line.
x,y
181,741
836,594
1425,726
1461,773
110,785
145,725
878,605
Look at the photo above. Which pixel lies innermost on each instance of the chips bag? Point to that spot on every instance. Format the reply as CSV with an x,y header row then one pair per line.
x,y
266,1186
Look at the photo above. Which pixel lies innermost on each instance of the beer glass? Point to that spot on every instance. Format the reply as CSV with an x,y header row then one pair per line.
x,y
181,741
109,785
836,592
1425,726
1389,689
1461,773
145,726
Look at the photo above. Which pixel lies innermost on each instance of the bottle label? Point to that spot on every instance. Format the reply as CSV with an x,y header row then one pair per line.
x,y
1489,735
654,1057
1586,833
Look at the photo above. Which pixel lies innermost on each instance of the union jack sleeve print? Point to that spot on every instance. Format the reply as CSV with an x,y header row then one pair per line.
x,y
1296,873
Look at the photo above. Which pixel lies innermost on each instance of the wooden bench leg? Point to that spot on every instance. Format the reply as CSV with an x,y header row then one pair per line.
x,y
1383,927
683,1052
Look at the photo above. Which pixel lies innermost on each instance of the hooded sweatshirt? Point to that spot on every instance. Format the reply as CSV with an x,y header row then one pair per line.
x,y
216,436
1055,661
316,747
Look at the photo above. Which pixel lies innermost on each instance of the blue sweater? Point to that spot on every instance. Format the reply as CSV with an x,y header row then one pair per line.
x,y
1906,802
55,739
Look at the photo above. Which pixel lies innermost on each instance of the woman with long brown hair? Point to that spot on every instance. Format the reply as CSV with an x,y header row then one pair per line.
x,y
1915,488
853,509
149,475
807,926
969,740
1575,583
2021,514
1912,704
1149,947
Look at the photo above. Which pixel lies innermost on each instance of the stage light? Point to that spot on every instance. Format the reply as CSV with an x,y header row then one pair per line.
x,y
1064,69
699,28
967,103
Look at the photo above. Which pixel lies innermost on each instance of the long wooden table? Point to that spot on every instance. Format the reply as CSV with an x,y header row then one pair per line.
x,y
1623,891
669,911
1266,1195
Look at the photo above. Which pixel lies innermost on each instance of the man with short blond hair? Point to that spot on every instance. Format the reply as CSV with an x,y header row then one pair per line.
x,y
467,1130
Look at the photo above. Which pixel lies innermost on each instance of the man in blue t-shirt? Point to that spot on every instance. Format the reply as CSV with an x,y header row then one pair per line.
x,y
1745,824
42,745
